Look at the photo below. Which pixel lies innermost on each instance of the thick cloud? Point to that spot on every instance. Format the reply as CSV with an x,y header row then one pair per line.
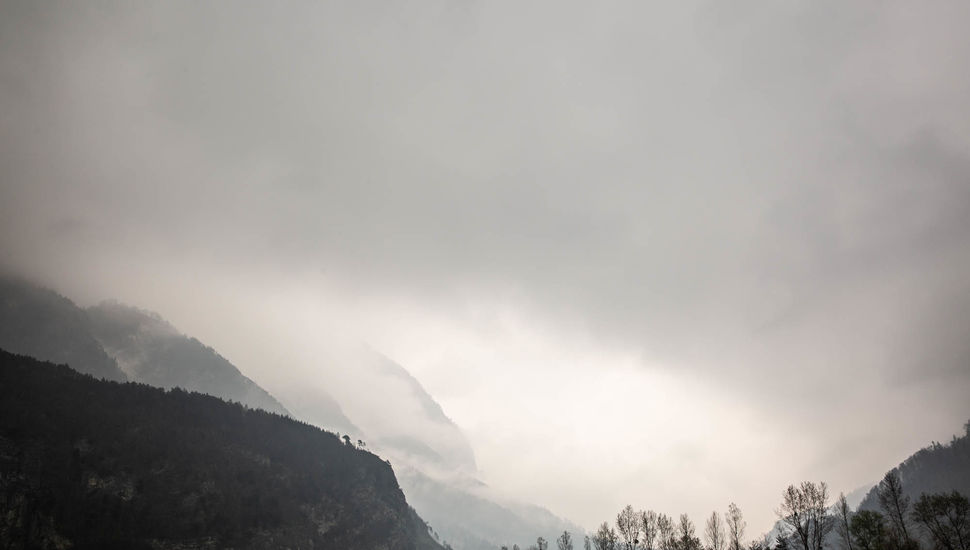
x,y
762,210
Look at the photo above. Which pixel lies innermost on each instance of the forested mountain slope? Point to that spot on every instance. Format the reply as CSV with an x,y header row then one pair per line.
x,y
406,425
96,464
432,457
40,323
118,342
935,469
150,350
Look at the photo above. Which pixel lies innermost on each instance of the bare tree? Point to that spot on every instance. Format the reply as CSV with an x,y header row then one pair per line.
x,y
686,538
605,538
894,504
648,524
542,544
735,527
714,533
628,525
946,517
843,516
666,539
805,510
565,541
587,544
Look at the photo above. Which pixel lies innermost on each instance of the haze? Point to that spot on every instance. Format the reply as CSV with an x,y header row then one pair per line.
x,y
667,254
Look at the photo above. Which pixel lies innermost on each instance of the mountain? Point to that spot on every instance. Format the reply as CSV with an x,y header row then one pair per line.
x,y
311,402
934,469
390,409
87,463
151,351
119,342
432,457
406,423
43,324
855,496
937,468
470,519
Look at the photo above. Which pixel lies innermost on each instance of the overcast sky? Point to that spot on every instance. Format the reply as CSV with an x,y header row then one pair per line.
x,y
672,254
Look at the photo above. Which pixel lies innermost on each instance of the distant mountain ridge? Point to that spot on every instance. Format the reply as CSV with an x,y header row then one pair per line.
x,y
434,461
471,520
150,350
96,464
118,342
40,323
410,427
433,438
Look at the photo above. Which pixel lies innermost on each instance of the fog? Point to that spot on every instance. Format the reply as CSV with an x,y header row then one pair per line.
x,y
667,255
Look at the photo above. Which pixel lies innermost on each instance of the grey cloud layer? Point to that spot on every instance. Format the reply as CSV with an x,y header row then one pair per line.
x,y
757,192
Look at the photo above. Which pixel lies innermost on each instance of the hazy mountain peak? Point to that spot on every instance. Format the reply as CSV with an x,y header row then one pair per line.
x,y
124,315
409,424
41,323
150,350
472,518
432,409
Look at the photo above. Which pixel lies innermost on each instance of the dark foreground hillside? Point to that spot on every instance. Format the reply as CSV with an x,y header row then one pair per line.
x,y
96,464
